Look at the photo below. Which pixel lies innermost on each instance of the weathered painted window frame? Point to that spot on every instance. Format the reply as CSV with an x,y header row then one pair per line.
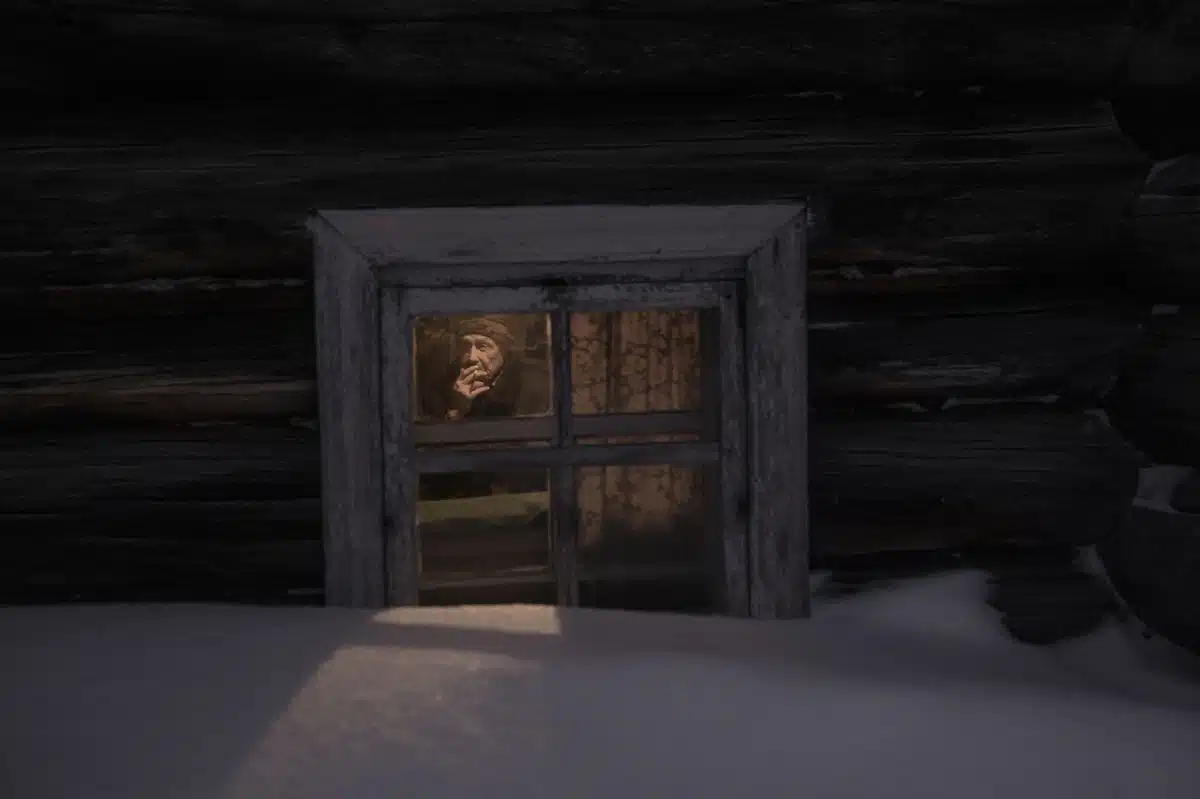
x,y
757,438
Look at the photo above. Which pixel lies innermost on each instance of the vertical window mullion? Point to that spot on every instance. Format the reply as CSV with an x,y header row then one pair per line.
x,y
563,501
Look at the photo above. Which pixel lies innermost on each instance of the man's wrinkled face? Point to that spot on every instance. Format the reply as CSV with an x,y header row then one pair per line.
x,y
481,351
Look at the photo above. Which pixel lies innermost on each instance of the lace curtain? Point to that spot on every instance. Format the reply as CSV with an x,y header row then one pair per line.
x,y
632,362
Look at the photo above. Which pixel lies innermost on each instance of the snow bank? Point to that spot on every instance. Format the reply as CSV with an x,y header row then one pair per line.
x,y
912,691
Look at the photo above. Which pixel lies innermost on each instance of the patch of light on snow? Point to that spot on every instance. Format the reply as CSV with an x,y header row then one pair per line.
x,y
524,619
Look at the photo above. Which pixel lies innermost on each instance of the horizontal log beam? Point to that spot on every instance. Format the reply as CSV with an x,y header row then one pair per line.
x,y
1073,352
323,11
248,366
159,52
107,567
975,477
897,463
1018,197
233,513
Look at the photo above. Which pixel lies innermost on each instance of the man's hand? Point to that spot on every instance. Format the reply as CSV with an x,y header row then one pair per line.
x,y
471,382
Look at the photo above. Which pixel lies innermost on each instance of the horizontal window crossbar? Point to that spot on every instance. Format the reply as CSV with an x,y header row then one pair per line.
x,y
534,428
533,576
687,453
581,299
571,273
639,572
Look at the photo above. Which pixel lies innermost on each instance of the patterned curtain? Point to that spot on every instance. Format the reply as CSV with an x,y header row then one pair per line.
x,y
624,363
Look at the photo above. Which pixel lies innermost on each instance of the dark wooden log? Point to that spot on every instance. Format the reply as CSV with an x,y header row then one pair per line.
x,y
1153,561
1156,400
231,353
1159,82
216,511
1166,226
1186,496
1071,353
220,352
114,568
967,478
990,202
151,51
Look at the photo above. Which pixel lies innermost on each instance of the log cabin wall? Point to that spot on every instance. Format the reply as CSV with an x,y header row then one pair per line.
x,y
972,287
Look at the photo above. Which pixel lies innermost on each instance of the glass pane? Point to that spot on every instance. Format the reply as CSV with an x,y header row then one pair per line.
x,y
494,366
643,522
484,528
636,361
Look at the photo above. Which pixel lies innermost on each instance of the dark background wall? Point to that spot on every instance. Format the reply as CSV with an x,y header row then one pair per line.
x,y
980,279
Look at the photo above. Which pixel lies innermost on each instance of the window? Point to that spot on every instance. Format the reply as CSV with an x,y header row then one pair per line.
x,y
571,438
546,403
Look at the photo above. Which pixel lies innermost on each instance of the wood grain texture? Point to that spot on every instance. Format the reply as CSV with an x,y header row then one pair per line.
x,y
566,295
988,199
777,441
564,511
245,51
402,543
1072,354
453,237
733,498
154,271
347,338
190,512
681,453
583,272
254,361
1041,476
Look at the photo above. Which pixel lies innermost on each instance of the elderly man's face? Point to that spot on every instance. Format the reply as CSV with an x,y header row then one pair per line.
x,y
481,351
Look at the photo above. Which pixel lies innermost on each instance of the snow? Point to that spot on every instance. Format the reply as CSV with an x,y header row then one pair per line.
x,y
907,691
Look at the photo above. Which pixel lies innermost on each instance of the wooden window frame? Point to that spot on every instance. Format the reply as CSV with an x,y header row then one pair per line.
x,y
370,266
722,446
